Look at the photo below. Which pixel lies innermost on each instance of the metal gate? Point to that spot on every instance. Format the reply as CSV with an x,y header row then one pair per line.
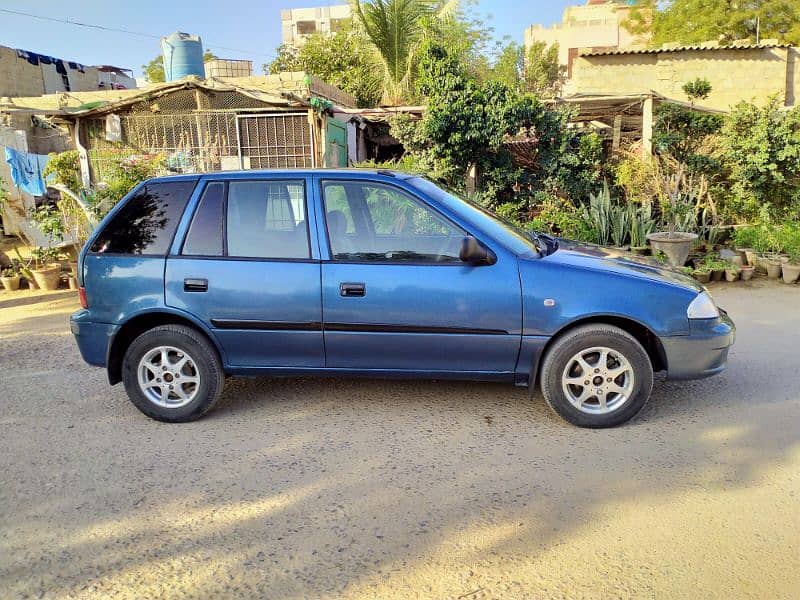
x,y
275,141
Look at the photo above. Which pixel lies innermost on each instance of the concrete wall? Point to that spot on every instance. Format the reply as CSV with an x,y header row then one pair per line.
x,y
751,74
19,78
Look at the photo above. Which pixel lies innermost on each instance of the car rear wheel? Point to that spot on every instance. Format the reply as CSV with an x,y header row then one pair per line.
x,y
597,376
172,373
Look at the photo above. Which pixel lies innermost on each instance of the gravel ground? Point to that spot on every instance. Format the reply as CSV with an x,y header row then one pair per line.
x,y
369,489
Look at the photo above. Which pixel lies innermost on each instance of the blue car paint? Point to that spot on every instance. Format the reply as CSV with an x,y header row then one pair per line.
x,y
486,322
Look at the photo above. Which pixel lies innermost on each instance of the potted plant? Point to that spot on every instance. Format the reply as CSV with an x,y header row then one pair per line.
x,y
702,273
747,272
677,208
745,241
717,268
732,271
10,279
47,269
790,269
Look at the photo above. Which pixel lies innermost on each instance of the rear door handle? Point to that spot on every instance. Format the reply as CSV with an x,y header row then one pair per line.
x,y
195,285
352,290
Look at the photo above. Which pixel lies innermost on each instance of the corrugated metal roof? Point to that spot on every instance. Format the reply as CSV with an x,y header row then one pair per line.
x,y
682,49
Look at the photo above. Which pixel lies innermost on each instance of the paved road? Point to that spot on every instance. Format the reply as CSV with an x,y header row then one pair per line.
x,y
364,489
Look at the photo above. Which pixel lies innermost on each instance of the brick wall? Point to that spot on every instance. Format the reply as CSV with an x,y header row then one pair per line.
x,y
752,74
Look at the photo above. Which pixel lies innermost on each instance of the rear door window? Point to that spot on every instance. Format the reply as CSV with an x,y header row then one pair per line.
x,y
267,219
205,233
146,224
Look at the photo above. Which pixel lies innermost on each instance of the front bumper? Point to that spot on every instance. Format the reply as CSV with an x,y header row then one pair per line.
x,y
702,353
93,338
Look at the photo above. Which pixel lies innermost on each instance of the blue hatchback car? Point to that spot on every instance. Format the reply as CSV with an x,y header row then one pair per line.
x,y
374,273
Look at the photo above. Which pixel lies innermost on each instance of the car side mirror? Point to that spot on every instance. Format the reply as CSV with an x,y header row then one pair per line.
x,y
474,253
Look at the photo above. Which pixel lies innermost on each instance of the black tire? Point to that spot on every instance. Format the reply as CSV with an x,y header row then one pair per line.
x,y
587,337
205,358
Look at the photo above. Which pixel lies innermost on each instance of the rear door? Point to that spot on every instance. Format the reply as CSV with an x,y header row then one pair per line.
x,y
248,269
395,294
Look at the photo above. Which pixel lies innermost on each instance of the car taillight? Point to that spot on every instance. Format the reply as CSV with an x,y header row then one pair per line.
x,y
82,296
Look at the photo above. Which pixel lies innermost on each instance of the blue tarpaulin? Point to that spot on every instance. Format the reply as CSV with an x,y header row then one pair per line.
x,y
26,171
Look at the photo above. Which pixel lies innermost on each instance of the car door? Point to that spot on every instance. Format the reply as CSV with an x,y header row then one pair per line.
x,y
395,294
247,269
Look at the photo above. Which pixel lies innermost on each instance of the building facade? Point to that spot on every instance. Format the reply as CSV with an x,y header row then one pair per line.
x,y
299,23
597,24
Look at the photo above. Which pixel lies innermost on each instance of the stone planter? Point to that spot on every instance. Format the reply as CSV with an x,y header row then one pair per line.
x,y
640,250
731,275
751,256
747,272
702,276
47,278
791,273
675,246
10,284
773,267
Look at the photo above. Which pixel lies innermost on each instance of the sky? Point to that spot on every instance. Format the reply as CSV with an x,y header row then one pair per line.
x,y
231,28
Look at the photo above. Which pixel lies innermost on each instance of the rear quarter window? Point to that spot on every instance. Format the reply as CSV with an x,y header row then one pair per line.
x,y
147,222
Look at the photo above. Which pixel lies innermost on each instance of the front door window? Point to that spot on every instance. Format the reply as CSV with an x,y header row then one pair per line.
x,y
372,222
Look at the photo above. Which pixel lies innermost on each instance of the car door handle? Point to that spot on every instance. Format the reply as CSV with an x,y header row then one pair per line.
x,y
352,290
195,285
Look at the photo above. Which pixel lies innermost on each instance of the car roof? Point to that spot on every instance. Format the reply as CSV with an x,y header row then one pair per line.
x,y
253,173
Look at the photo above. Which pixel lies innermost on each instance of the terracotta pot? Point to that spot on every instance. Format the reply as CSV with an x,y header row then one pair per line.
x,y
48,277
10,284
731,275
791,273
702,276
676,247
747,272
773,267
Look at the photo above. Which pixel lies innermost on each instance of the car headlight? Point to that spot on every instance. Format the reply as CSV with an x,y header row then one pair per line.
x,y
703,307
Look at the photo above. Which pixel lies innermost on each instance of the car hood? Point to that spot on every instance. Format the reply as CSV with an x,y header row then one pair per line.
x,y
601,258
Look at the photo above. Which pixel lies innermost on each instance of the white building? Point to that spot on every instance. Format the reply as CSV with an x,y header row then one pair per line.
x,y
598,25
298,23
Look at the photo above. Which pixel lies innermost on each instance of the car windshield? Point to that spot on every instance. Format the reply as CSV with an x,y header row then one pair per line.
x,y
521,239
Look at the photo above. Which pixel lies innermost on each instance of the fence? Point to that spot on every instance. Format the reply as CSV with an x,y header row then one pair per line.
x,y
199,141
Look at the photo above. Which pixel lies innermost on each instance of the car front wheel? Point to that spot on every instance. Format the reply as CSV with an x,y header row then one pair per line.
x,y
172,373
596,376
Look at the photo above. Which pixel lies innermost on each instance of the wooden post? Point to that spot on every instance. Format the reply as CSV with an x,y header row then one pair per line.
x,y
647,127
617,134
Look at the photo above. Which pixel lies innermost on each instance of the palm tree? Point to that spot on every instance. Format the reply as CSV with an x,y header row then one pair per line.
x,y
395,29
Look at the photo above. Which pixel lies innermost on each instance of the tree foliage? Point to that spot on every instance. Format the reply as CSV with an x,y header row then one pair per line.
x,y
761,149
695,21
341,59
535,70
154,70
542,72
468,124
396,28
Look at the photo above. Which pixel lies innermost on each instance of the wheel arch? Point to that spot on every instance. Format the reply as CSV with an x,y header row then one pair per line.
x,y
641,333
137,325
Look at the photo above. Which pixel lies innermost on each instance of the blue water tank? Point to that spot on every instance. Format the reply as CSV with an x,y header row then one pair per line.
x,y
183,56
